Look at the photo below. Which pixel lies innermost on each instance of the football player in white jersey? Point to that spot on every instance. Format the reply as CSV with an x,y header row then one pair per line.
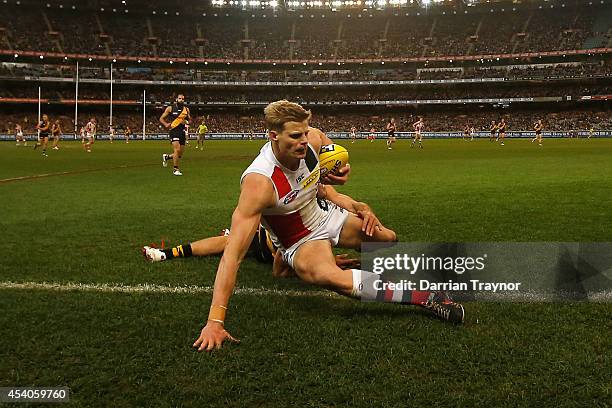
x,y
280,189
418,128
90,131
262,245
19,138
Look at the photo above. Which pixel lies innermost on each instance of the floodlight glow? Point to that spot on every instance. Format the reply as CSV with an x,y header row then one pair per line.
x,y
274,3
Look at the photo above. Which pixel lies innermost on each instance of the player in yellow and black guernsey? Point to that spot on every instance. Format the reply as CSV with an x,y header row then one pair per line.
x,y
178,113
43,134
538,126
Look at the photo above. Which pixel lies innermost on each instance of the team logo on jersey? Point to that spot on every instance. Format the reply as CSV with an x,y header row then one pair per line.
x,y
291,196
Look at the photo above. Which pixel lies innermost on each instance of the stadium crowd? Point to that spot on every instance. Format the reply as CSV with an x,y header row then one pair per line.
x,y
294,36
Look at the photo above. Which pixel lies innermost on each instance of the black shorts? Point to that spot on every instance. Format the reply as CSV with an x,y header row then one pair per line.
x,y
177,136
391,133
538,132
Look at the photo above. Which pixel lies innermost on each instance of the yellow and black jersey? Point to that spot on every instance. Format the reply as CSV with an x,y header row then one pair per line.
x,y
537,127
43,126
502,127
178,115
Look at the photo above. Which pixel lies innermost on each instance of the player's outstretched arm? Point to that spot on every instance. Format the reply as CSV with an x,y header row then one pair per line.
x,y
257,193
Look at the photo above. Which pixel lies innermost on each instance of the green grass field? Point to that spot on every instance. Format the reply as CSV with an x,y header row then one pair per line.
x,y
307,349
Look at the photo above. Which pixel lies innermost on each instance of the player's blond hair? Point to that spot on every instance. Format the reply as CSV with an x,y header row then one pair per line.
x,y
280,112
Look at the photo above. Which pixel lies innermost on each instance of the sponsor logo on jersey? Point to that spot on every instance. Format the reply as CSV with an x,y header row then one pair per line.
x,y
313,178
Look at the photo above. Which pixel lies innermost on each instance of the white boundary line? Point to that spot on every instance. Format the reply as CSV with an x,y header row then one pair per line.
x,y
73,172
528,297
154,288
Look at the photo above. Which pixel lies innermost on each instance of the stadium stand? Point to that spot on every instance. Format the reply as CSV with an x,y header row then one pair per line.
x,y
455,49
364,35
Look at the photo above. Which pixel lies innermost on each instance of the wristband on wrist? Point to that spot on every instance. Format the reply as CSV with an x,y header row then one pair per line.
x,y
217,313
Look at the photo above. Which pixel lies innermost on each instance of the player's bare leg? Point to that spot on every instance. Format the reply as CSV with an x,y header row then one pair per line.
x,y
314,263
44,141
87,146
203,247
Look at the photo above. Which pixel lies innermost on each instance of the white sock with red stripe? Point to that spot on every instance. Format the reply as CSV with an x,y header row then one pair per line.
x,y
368,286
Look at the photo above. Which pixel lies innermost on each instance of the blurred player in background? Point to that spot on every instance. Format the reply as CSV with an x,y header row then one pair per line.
x,y
56,132
19,138
353,134
391,128
82,131
501,131
186,132
90,134
372,135
492,129
418,128
178,113
202,129
466,132
111,133
538,132
127,132
43,134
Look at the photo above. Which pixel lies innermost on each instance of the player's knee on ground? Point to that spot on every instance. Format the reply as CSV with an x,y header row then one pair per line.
x,y
385,235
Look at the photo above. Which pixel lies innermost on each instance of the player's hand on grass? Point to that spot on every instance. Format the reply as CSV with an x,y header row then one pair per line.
x,y
212,337
370,222
339,178
344,262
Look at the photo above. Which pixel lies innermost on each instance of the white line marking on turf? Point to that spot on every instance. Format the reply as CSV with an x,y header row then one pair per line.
x,y
73,172
603,296
153,288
